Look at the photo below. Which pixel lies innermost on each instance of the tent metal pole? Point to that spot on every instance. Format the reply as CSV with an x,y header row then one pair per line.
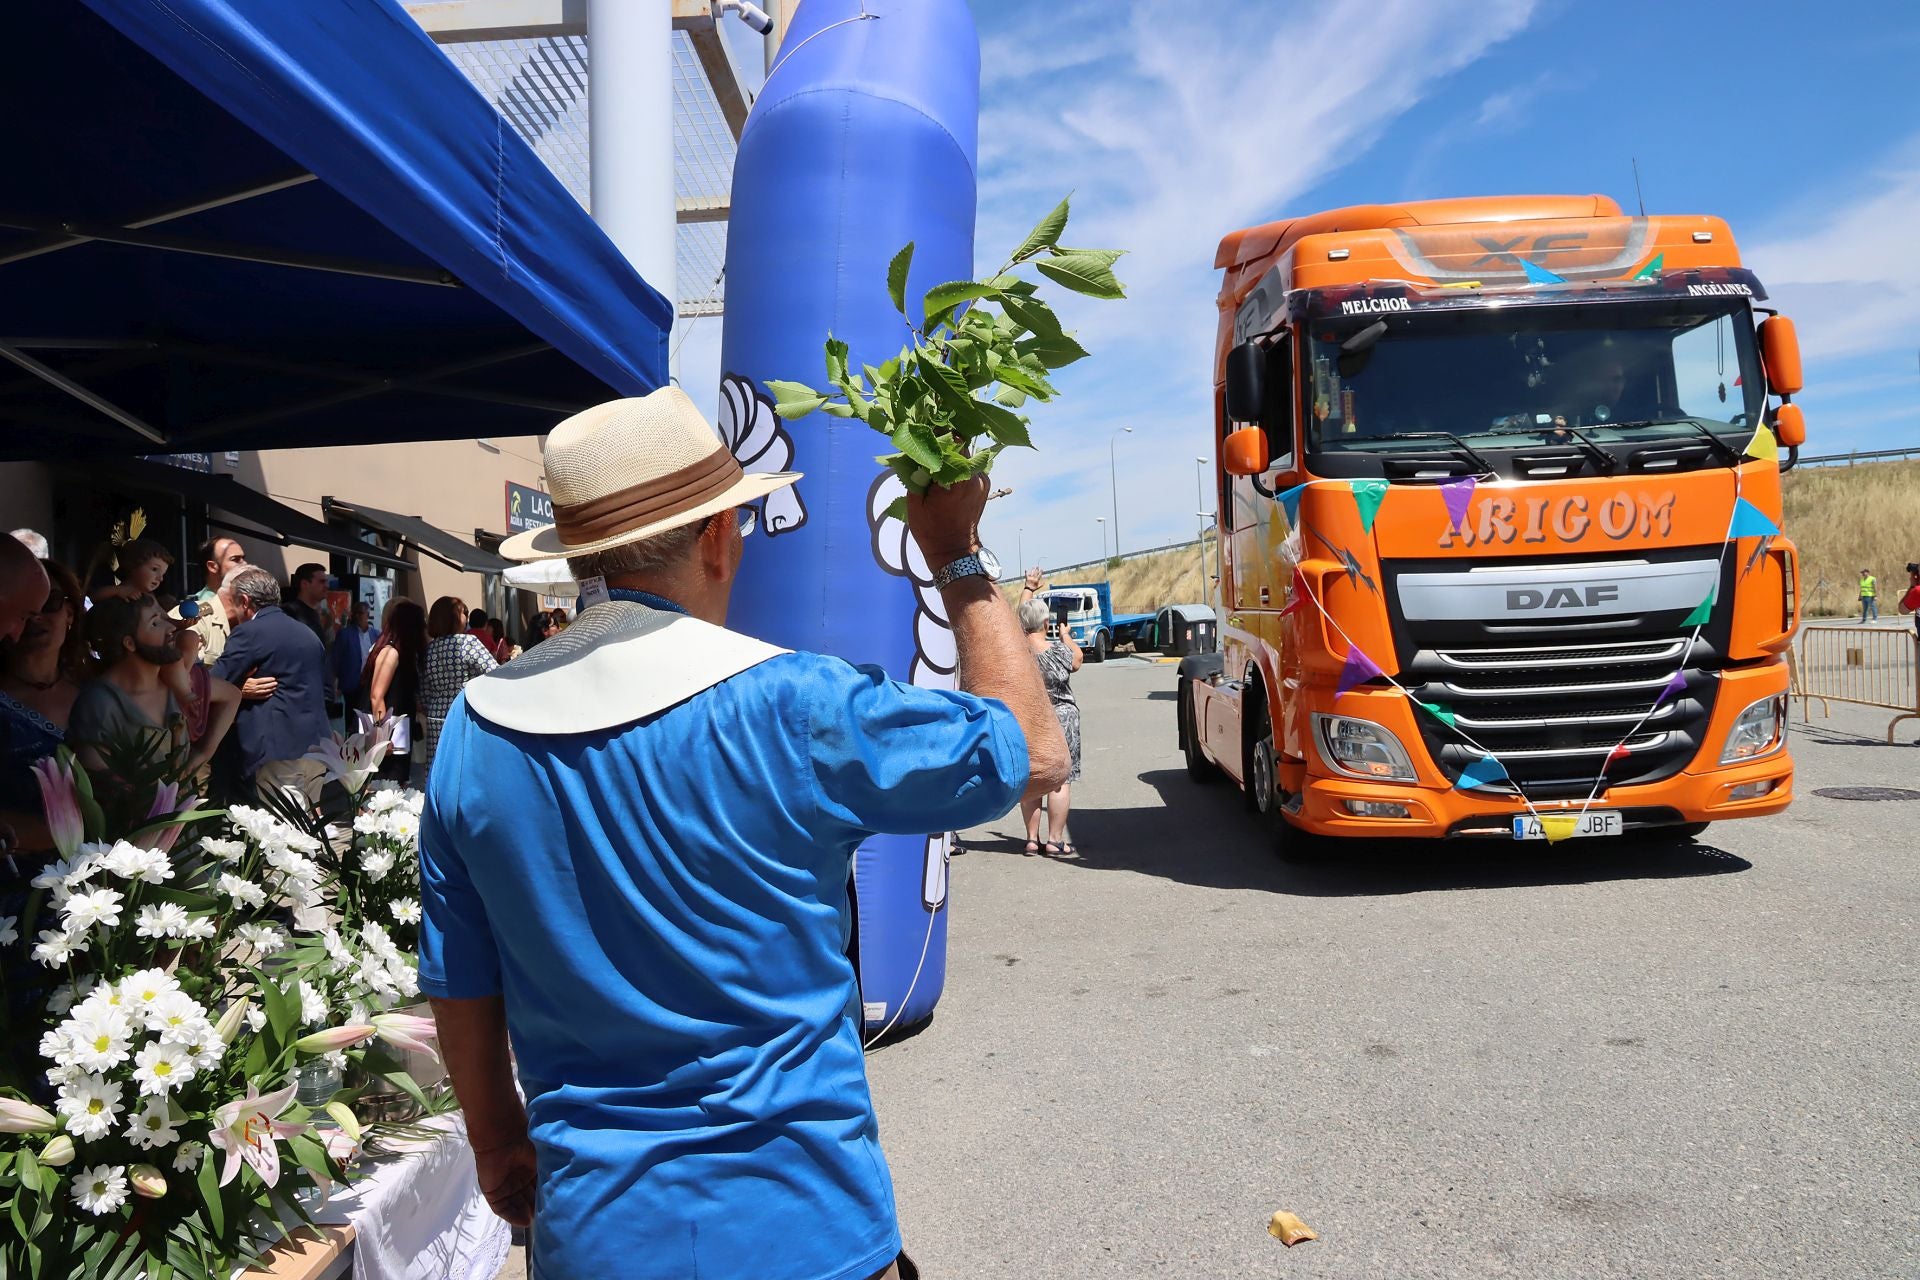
x,y
54,242
99,404
630,133
240,253
354,377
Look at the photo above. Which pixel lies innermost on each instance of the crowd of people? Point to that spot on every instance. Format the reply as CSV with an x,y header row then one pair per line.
x,y
232,687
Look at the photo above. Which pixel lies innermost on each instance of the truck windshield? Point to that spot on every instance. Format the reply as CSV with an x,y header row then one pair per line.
x,y
1509,376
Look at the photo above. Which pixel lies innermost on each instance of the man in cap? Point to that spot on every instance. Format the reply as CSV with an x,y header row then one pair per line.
x,y
636,866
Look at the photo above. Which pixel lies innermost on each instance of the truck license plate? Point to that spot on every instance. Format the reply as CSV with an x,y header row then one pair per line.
x,y
1596,822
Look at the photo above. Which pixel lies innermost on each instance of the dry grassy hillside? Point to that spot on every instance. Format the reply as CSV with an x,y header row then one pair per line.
x,y
1840,517
1844,517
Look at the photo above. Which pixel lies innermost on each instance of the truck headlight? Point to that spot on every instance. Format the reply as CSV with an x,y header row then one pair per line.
x,y
1757,731
1362,749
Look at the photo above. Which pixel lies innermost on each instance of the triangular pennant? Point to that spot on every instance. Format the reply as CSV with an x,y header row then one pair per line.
x,y
1674,688
1358,670
1652,270
1702,611
1438,712
1457,494
1290,502
1764,445
1558,826
1739,379
1483,772
1540,275
1750,521
1298,598
1368,495
1618,754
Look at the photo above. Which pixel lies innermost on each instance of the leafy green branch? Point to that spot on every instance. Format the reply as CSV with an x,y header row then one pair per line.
x,y
978,351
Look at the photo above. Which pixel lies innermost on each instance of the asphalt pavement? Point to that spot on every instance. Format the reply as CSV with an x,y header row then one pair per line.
x,y
1592,1059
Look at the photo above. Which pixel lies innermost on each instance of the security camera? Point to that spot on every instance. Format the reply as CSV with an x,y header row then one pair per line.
x,y
751,14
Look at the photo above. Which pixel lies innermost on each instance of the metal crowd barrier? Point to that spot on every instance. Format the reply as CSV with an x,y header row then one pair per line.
x,y
1865,666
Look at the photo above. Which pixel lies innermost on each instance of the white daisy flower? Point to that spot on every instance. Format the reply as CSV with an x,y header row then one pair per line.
x,y
187,1158
8,934
130,862
224,850
101,1189
199,929
313,1005
174,1015
256,1018
244,892
165,920
337,952
99,1038
152,1126
257,825
139,991
91,1104
159,1069
406,911
263,938
376,864
54,949
204,1051
83,910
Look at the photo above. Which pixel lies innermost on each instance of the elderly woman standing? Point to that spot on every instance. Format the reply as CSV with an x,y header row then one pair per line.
x,y
1059,658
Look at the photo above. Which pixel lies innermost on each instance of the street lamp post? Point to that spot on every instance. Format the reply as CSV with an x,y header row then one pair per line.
x,y
1200,509
1102,522
1020,545
1113,473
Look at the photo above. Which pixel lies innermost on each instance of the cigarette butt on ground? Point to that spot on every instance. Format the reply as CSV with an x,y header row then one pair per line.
x,y
1289,1230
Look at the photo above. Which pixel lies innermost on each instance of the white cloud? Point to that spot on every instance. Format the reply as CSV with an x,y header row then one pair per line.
x,y
1184,123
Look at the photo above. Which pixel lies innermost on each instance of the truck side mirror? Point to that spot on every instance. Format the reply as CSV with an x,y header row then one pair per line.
x,y
1780,349
1246,383
1790,425
1244,452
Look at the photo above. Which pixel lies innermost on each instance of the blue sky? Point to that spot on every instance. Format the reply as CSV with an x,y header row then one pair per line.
x,y
1175,121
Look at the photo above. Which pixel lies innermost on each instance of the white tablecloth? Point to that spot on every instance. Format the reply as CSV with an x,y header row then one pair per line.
x,y
421,1216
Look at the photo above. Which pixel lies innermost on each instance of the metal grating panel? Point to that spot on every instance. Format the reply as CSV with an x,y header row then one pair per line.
x,y
540,86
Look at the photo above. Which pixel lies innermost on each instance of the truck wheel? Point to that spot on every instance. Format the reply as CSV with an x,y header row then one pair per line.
x,y
1199,768
1099,651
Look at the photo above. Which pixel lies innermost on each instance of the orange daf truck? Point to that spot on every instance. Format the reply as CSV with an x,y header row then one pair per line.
x,y
1500,545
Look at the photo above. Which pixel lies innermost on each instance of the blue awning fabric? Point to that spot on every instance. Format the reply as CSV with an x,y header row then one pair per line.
x,y
232,224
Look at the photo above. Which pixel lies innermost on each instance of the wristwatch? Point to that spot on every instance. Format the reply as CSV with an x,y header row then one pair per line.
x,y
981,562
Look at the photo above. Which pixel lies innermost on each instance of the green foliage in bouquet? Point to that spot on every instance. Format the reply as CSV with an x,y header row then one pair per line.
x,y
163,999
976,353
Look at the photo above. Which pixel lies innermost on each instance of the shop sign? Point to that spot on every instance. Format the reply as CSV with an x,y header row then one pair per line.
x,y
527,508
201,462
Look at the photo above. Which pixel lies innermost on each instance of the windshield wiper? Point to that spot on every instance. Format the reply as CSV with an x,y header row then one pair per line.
x,y
1466,450
1606,460
1720,446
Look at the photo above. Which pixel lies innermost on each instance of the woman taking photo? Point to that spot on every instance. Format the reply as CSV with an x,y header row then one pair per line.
x,y
453,658
391,679
1059,658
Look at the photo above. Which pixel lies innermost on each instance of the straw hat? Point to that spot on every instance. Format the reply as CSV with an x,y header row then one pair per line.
x,y
630,469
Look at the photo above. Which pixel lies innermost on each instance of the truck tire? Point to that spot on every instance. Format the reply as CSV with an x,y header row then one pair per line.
x,y
1097,652
1199,768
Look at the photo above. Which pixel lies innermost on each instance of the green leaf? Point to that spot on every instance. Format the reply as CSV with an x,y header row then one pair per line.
x,y
1032,315
1055,353
311,1156
836,360
896,510
794,399
1005,426
837,410
897,277
1012,397
209,1181
283,1015
1083,273
915,439
1045,234
29,1171
1108,256
943,298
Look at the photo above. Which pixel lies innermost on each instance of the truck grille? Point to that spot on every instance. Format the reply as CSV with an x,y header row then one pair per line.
x,y
1553,714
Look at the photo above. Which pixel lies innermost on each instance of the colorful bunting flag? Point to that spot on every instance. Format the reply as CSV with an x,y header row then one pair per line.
x,y
1750,521
1438,712
1764,445
1483,772
1299,596
1702,611
1457,494
1558,826
1652,270
1674,688
1368,495
1618,754
1540,275
1358,670
1290,502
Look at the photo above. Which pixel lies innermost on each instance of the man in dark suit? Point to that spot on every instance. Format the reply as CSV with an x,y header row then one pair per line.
x,y
277,731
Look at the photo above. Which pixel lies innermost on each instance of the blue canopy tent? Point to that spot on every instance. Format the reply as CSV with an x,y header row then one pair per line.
x,y
248,224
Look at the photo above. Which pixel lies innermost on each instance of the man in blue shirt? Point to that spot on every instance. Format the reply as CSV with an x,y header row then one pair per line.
x,y
634,861
290,663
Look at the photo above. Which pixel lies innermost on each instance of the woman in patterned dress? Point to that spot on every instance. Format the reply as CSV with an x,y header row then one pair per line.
x,y
453,658
1059,658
